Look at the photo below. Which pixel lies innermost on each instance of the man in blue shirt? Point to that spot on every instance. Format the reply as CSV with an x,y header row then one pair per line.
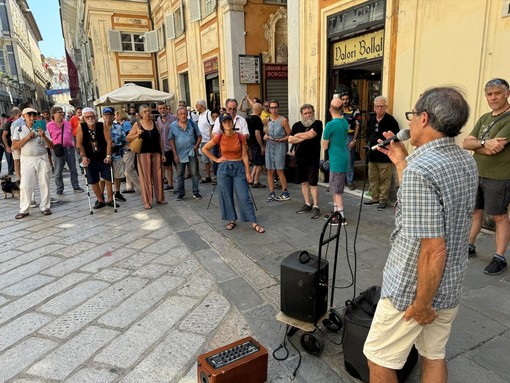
x,y
422,278
185,138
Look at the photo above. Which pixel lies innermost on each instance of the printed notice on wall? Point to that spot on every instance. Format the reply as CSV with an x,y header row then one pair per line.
x,y
249,69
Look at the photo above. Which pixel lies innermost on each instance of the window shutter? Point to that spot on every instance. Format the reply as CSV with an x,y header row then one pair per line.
x,y
170,26
151,41
182,17
114,41
194,10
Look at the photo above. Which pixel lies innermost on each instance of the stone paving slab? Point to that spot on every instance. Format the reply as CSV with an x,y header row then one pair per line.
x,y
20,328
19,357
27,270
63,361
73,297
141,301
26,302
126,349
168,360
87,312
29,284
92,375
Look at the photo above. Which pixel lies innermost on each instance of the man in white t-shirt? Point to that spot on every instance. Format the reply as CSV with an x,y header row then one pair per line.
x,y
205,124
34,162
239,123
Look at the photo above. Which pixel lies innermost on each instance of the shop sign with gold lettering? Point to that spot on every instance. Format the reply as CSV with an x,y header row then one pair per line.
x,y
359,48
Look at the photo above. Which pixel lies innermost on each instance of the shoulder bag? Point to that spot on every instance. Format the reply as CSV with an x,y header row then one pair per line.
x,y
58,149
136,145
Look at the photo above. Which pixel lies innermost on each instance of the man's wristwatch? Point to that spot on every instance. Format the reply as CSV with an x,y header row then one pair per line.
x,y
482,142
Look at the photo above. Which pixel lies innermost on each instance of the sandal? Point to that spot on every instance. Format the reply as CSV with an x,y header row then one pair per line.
x,y
259,229
147,206
161,202
20,215
231,226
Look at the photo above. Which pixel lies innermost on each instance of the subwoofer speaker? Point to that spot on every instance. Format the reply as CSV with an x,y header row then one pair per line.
x,y
304,290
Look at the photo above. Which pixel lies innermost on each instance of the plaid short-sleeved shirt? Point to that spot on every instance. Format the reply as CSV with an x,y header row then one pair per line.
x,y
435,200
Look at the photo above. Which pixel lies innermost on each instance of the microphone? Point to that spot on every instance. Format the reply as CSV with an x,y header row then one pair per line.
x,y
403,135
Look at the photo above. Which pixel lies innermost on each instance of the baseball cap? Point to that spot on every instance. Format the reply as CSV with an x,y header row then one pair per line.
x,y
225,116
88,110
29,110
108,110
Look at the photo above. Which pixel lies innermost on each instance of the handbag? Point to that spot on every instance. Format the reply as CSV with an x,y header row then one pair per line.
x,y
136,145
58,149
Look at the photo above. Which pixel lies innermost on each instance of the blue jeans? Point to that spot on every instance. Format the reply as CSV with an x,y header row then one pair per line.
x,y
352,155
181,171
231,177
70,158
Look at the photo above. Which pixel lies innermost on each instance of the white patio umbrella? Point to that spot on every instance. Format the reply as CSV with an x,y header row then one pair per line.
x,y
133,93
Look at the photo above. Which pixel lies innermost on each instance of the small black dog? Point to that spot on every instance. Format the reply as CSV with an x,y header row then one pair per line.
x,y
9,187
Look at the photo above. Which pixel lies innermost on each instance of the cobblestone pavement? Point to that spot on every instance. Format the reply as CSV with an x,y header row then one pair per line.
x,y
137,295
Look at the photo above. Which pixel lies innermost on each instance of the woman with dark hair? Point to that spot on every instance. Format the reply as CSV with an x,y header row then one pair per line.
x,y
150,158
233,174
61,133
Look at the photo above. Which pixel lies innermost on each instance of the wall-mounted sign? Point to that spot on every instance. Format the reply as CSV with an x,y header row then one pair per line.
x,y
276,71
249,69
359,48
51,92
211,66
368,14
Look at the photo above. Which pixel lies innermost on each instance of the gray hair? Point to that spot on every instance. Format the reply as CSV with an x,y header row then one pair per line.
x,y
447,109
306,106
381,98
15,111
142,107
203,103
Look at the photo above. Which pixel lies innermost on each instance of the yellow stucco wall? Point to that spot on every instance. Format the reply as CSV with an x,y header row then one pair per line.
x,y
427,43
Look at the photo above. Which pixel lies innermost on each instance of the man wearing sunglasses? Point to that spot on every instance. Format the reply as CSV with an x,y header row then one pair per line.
x,y
34,164
424,272
488,140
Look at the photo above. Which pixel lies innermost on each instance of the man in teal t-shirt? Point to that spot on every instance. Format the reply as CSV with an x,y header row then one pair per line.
x,y
335,134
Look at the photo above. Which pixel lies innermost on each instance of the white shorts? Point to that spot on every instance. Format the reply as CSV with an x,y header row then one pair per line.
x,y
391,338
16,154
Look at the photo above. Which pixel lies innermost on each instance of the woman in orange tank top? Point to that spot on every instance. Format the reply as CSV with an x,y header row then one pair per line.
x,y
233,174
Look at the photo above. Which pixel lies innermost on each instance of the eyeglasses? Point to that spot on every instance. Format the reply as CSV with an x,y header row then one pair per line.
x,y
89,116
273,107
409,115
231,109
497,81
379,106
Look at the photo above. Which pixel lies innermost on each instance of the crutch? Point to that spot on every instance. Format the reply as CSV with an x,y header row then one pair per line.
x,y
87,185
113,188
252,199
210,198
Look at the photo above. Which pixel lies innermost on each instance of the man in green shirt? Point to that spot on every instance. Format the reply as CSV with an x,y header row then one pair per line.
x,y
488,140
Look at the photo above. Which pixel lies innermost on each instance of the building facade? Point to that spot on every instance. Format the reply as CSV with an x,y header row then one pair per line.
x,y
294,51
23,75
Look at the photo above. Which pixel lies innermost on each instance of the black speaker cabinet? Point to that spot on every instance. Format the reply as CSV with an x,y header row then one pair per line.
x,y
304,290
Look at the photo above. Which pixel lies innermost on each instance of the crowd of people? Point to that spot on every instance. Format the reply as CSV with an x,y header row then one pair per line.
x,y
442,196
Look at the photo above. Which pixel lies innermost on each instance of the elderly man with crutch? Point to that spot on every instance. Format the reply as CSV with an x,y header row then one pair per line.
x,y
95,145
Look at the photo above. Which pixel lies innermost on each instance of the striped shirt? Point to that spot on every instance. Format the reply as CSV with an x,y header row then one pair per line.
x,y
435,200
